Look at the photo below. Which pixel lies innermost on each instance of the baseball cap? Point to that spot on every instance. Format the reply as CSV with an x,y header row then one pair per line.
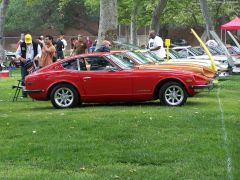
x,y
28,38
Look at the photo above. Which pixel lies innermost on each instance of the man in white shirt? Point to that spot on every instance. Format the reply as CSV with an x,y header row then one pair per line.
x,y
155,45
27,52
211,43
64,43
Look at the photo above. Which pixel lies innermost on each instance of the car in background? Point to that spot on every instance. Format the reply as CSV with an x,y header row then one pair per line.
x,y
7,60
179,42
222,66
143,60
103,78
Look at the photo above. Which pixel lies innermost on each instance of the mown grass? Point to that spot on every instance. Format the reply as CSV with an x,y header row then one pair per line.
x,y
120,141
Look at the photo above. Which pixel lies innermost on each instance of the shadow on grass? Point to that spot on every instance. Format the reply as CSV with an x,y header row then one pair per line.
x,y
34,106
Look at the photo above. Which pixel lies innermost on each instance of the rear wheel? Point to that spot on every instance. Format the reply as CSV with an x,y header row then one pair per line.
x,y
173,94
64,96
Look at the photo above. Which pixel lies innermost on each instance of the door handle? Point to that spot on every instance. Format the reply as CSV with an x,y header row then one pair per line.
x,y
86,78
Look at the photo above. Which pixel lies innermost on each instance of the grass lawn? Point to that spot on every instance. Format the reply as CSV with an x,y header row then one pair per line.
x,y
200,140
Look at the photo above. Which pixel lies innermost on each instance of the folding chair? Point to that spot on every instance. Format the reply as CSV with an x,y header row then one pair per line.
x,y
18,87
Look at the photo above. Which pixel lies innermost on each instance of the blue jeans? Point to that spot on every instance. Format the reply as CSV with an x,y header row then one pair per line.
x,y
24,73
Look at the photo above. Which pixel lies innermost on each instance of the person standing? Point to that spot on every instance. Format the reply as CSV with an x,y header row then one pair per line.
x,y
21,40
27,51
59,49
89,44
155,45
73,41
79,46
64,43
48,51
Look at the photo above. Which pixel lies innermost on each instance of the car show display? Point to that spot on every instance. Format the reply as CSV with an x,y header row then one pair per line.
x,y
104,78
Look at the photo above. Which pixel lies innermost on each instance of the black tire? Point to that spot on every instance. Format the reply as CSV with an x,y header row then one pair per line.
x,y
172,94
64,96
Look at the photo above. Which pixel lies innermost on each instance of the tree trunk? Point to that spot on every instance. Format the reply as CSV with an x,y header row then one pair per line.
x,y
108,21
133,27
127,33
133,33
3,9
155,24
208,20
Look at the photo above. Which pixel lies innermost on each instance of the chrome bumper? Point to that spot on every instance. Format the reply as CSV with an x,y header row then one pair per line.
x,y
199,88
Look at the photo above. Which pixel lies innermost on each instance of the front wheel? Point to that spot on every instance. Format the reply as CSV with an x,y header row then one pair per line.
x,y
64,96
173,94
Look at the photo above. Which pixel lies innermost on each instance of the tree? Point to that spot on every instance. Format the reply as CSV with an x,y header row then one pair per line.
x,y
208,20
3,9
155,23
108,21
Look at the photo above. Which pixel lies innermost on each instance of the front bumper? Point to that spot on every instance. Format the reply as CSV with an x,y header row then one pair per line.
x,y
200,88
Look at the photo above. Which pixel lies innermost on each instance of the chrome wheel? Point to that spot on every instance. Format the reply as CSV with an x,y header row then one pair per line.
x,y
174,95
63,97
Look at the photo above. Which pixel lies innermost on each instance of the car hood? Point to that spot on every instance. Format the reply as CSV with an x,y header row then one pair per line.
x,y
161,70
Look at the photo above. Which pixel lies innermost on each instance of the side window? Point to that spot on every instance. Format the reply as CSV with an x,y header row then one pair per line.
x,y
75,64
71,64
82,64
97,63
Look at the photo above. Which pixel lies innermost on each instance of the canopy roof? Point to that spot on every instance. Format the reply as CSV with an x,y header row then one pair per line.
x,y
232,25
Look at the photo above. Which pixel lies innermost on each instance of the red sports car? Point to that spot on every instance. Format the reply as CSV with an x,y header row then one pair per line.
x,y
102,77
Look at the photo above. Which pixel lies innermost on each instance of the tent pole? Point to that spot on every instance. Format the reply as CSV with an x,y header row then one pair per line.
x,y
225,36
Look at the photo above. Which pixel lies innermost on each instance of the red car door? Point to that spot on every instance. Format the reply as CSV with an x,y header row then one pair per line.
x,y
103,85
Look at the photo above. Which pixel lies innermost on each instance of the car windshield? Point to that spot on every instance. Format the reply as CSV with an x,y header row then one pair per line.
x,y
196,51
218,50
155,56
176,54
233,50
149,56
120,61
201,50
138,58
146,57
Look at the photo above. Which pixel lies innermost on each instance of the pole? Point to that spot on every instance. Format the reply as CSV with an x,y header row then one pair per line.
x,y
213,65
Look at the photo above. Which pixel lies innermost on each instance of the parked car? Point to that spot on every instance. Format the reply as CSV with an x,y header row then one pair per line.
x,y
144,60
222,66
102,77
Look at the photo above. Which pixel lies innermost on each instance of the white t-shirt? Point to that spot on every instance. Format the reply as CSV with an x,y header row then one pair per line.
x,y
64,43
156,42
211,43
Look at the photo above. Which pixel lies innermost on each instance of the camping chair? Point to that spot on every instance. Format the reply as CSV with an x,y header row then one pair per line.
x,y
18,88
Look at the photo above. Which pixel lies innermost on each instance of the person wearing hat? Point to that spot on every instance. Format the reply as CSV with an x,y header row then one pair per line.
x,y
27,51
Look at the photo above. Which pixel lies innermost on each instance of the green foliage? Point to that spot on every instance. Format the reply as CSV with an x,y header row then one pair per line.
x,y
183,13
141,9
33,15
92,9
